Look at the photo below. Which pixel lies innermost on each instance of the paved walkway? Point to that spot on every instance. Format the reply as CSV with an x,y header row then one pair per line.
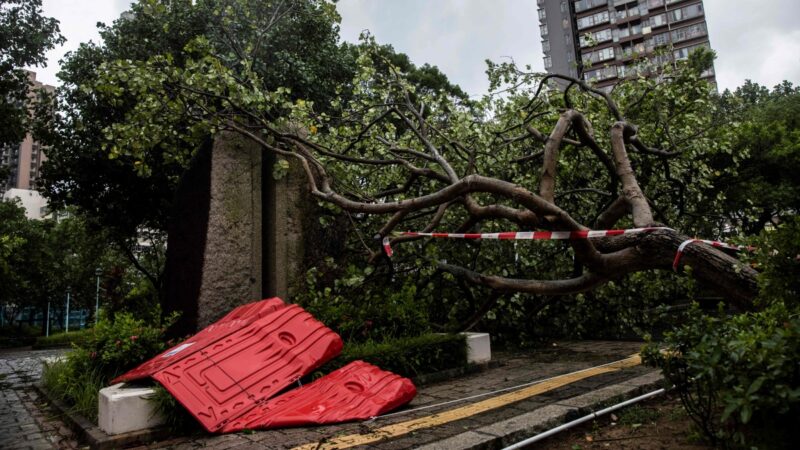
x,y
445,415
447,423
25,423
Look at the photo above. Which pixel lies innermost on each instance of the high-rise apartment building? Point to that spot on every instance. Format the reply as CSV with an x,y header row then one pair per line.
x,y
608,40
24,160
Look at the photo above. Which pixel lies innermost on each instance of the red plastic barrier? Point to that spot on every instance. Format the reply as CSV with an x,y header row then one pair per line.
x,y
227,378
357,391
235,320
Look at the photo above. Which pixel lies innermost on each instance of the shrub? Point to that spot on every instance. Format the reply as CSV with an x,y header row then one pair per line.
x,y
408,357
111,348
738,376
363,306
18,335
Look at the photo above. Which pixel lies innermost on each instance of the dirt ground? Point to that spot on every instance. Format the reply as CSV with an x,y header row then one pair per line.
x,y
657,424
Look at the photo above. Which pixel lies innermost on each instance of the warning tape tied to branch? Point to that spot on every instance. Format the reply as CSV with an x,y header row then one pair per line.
x,y
686,243
562,235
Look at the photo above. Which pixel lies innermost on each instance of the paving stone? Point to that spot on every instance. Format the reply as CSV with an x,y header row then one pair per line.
x,y
19,427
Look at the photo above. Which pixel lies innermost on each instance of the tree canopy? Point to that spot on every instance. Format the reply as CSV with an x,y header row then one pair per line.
x,y
25,36
292,45
427,160
766,136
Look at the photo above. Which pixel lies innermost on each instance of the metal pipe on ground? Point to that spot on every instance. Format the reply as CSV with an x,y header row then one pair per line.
x,y
583,419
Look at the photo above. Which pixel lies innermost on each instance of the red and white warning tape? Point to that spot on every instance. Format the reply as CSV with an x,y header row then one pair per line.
x,y
686,243
561,235
525,235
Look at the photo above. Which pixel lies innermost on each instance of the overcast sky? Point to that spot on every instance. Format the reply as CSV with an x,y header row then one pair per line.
x,y
755,39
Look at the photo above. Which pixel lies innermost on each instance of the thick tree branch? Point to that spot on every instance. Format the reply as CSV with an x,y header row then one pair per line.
x,y
642,216
585,282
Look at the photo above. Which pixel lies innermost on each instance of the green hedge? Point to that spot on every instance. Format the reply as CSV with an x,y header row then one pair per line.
x,y
18,335
63,339
408,357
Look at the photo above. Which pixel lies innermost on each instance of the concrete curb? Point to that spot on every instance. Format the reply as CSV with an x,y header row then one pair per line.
x,y
92,434
515,429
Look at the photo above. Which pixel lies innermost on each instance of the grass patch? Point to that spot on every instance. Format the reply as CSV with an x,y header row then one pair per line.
x,y
77,388
638,415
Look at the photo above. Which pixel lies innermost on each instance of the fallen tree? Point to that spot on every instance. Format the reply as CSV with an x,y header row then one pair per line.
x,y
430,161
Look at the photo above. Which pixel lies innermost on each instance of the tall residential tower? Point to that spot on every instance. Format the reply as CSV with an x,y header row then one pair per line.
x,y
601,40
24,160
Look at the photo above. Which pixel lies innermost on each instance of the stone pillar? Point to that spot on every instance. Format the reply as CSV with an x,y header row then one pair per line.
x,y
186,242
287,201
232,257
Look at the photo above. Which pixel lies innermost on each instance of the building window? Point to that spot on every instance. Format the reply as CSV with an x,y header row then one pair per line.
x,y
601,74
691,32
633,50
655,3
542,15
564,7
543,29
657,40
548,62
590,39
686,13
627,13
546,46
583,5
603,54
683,53
658,20
594,19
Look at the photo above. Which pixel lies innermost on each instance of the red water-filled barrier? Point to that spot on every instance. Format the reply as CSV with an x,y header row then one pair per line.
x,y
228,374
235,320
357,391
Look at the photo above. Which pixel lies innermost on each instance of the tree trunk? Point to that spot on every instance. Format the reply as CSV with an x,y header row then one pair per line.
x,y
726,274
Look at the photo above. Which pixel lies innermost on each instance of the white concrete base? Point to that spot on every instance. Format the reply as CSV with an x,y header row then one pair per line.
x,y
124,409
479,347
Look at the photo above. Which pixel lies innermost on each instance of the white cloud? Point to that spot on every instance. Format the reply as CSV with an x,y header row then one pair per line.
x,y
455,35
78,24
755,39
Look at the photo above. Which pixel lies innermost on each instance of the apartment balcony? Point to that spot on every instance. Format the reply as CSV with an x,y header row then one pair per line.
x,y
588,5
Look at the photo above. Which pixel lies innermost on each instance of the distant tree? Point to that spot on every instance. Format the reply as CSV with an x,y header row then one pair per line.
x,y
25,36
41,259
289,44
766,147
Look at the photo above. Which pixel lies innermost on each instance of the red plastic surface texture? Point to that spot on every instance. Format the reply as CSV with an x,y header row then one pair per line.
x,y
235,320
357,391
227,378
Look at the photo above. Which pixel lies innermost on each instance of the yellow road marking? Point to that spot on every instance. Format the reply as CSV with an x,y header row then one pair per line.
x,y
401,428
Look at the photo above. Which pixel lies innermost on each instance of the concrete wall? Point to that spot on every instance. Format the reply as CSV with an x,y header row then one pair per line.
x,y
35,205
